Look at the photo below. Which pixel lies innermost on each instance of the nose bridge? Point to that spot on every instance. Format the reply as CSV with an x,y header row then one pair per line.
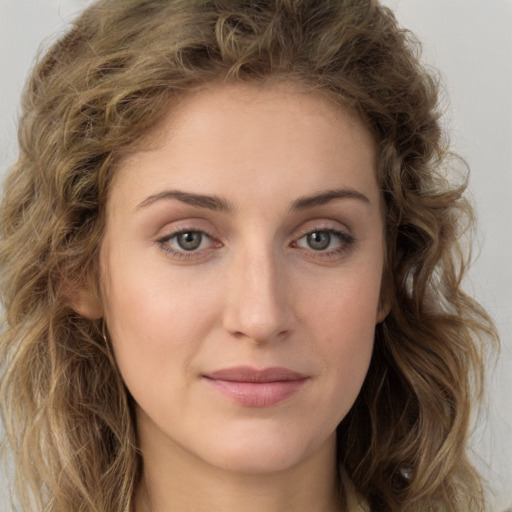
x,y
257,306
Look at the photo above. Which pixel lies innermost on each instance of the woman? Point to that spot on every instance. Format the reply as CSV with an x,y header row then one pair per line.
x,y
231,267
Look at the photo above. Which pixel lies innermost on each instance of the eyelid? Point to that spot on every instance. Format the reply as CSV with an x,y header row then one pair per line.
x,y
180,225
329,225
342,234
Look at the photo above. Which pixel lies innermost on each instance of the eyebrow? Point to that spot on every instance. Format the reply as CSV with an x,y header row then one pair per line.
x,y
218,204
321,198
203,201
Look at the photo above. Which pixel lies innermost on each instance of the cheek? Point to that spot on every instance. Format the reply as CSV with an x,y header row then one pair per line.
x,y
342,319
156,322
349,346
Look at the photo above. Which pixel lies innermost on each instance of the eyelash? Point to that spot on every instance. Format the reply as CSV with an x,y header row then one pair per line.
x,y
347,241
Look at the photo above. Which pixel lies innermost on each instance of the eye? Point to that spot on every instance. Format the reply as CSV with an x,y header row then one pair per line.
x,y
187,243
318,240
328,241
189,240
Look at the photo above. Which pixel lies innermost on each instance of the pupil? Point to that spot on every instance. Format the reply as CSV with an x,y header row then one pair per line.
x,y
319,240
189,241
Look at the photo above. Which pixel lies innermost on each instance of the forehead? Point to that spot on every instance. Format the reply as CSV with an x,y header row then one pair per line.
x,y
281,108
256,136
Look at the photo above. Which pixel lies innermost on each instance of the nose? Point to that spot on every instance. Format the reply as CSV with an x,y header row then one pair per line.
x,y
257,306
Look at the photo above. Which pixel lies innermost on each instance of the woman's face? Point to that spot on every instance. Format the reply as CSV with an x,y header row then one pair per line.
x,y
241,270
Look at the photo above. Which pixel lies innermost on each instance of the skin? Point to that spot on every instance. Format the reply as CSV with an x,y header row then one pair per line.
x,y
254,292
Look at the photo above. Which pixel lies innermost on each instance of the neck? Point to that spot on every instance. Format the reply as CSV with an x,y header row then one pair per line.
x,y
177,480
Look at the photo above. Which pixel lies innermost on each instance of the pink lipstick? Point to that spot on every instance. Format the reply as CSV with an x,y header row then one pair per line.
x,y
256,388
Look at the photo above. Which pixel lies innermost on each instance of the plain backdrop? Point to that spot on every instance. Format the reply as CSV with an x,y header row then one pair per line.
x,y
470,42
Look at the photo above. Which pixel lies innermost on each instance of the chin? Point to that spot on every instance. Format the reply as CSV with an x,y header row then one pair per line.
x,y
257,460
263,452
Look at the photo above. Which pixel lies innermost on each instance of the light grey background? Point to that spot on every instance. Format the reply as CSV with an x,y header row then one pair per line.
x,y
470,41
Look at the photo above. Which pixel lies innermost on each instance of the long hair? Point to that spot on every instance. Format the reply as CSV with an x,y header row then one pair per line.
x,y
90,99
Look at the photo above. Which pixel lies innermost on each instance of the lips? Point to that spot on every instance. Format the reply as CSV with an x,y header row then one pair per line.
x,y
251,387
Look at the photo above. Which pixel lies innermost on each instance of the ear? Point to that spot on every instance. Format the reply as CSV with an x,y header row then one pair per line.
x,y
385,301
383,311
84,300
386,295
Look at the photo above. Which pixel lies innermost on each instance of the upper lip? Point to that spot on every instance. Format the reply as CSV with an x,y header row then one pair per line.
x,y
249,374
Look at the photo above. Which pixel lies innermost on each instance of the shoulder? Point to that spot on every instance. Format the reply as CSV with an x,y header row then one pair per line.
x,y
355,503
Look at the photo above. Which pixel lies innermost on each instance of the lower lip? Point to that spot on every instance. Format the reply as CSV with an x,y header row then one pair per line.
x,y
257,394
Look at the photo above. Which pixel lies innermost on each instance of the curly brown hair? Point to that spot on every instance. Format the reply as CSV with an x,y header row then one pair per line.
x,y
106,82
